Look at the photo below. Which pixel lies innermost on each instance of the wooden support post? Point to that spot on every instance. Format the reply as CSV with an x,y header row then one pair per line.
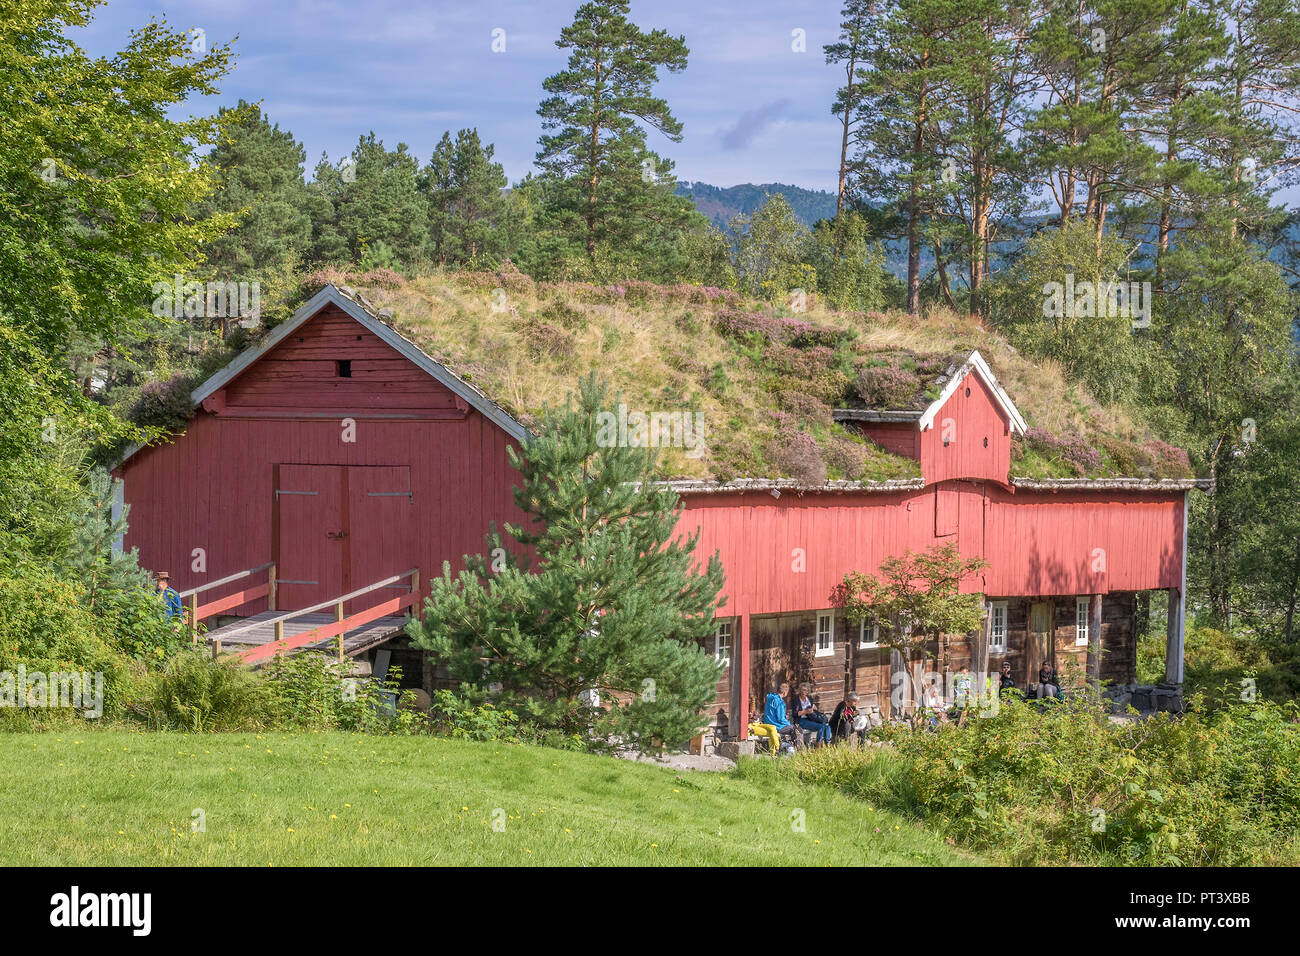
x,y
1094,642
338,616
740,675
216,648
1174,638
415,589
1177,617
270,587
194,618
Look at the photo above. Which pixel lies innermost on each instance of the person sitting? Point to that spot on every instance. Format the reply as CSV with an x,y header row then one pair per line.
x,y
1048,684
774,715
844,719
810,717
932,702
961,687
759,728
1006,682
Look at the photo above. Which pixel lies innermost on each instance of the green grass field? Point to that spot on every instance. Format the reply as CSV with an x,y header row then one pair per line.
x,y
114,797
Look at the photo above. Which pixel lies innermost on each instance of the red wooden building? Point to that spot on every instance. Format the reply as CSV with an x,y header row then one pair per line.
x,y
345,455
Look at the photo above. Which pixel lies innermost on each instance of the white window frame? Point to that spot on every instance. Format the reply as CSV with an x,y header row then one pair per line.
x,y
1082,621
863,643
721,647
826,618
997,646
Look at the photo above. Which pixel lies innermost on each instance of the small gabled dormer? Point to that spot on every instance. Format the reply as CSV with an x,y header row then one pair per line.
x,y
964,433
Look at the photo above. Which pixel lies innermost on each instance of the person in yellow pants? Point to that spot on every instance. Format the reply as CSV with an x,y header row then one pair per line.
x,y
768,731
760,729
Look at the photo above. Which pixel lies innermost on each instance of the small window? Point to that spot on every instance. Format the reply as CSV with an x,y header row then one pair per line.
x,y
1082,623
825,635
998,627
868,633
722,643
345,368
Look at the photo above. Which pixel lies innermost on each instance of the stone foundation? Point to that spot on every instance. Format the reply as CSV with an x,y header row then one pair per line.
x,y
1146,698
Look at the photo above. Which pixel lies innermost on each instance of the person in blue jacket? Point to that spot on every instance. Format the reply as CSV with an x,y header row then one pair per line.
x,y
172,606
774,714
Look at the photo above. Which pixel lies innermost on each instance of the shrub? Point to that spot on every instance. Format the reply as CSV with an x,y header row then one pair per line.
x,y
1168,461
1073,449
563,314
804,407
887,386
384,278
44,628
195,693
846,457
795,452
1067,785
309,690
545,341
165,405
459,718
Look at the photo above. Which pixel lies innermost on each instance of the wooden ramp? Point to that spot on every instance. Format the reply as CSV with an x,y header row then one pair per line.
x,y
275,632
355,641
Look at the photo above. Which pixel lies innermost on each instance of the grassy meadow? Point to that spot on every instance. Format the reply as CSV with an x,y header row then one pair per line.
x,y
338,799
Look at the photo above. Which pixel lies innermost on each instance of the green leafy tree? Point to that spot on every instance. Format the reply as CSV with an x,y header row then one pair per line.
x,y
915,600
100,186
1098,348
850,266
602,635
769,250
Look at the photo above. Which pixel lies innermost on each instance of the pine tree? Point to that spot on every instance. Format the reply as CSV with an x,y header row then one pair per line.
x,y
467,207
613,607
382,206
609,192
258,171
897,160
858,20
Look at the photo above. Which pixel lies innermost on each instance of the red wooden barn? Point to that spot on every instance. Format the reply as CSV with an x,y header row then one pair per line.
x,y
345,457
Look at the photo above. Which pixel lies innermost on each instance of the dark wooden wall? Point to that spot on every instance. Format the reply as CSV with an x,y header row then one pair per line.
x,y
783,649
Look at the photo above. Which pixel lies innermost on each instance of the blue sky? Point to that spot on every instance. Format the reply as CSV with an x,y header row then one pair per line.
x,y
754,110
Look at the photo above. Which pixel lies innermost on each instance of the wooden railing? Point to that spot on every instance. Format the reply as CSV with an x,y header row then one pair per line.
x,y
342,624
196,612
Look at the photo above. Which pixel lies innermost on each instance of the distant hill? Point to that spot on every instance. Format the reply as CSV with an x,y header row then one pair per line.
x,y
721,203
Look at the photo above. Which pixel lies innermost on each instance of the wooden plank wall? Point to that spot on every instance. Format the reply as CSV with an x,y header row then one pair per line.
x,y
977,432
212,487
782,649
786,554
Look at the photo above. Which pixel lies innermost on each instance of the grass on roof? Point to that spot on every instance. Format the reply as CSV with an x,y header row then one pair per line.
x,y
762,379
